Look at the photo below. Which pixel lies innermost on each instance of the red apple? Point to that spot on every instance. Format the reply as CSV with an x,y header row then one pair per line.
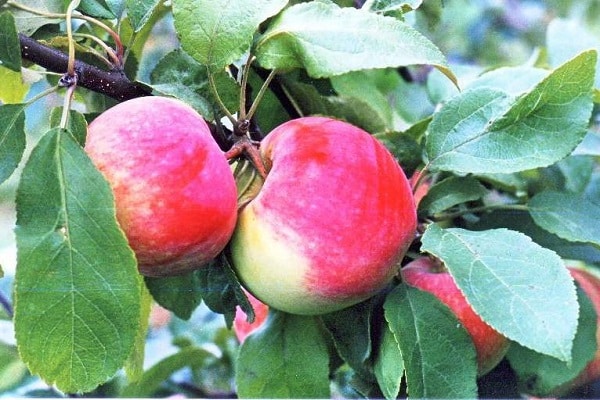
x,y
175,195
590,284
331,222
425,274
241,326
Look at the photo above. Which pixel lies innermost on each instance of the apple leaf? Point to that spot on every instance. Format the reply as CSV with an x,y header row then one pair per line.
x,y
328,40
568,215
139,12
486,130
76,123
134,365
522,221
389,365
350,329
77,288
28,22
431,342
179,294
521,289
218,32
96,8
540,374
12,89
390,6
10,50
177,74
450,192
12,138
221,290
286,358
151,379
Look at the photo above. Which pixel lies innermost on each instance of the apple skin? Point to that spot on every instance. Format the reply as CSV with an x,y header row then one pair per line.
x,y
491,346
175,195
331,222
590,284
241,326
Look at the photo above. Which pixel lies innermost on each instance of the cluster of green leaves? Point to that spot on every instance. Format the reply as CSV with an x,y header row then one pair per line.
x,y
514,193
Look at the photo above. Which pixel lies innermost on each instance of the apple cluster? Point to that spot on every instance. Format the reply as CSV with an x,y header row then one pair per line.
x,y
327,229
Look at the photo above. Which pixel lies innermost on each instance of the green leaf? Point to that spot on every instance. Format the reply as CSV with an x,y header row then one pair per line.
x,y
221,290
539,374
390,6
139,12
12,89
521,221
179,294
77,289
328,40
12,138
450,192
218,32
96,8
12,369
10,49
354,110
152,379
577,172
76,123
286,358
389,365
28,22
568,215
179,75
134,365
350,329
486,130
431,341
521,289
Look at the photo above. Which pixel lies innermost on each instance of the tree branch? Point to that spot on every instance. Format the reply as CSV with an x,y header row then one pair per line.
x,y
113,83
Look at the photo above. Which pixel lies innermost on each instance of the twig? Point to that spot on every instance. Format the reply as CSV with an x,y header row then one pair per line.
x,y
112,83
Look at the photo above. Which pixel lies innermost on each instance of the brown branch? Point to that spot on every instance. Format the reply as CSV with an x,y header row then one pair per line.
x,y
112,83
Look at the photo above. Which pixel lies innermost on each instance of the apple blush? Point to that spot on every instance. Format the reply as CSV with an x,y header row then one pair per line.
x,y
425,274
175,194
331,222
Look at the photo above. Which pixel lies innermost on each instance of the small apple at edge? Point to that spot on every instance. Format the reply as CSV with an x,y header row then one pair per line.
x,y
425,274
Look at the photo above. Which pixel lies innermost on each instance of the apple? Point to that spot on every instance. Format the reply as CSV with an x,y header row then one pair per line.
x,y
590,284
331,222
426,274
241,326
175,195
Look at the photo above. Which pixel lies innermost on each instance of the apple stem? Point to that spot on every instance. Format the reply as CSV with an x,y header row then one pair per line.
x,y
260,94
213,88
244,86
249,148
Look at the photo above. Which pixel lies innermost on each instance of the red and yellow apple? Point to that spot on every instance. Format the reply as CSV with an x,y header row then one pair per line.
x,y
331,222
241,326
590,284
427,275
175,194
